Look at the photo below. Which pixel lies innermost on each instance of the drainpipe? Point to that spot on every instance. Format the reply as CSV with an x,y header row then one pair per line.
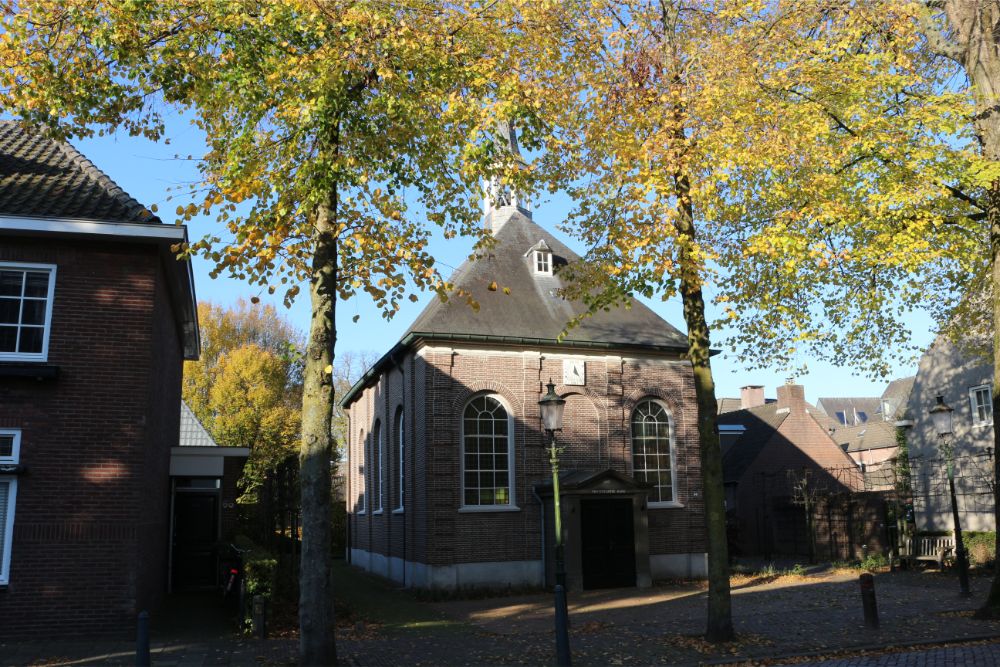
x,y
541,505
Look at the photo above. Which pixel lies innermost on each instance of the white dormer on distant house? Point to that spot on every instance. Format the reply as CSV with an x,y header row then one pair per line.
x,y
540,256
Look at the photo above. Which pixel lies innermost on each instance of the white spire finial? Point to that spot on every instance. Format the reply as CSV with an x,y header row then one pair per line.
x,y
496,195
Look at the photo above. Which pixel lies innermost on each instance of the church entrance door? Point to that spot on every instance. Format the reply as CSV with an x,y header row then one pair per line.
x,y
607,542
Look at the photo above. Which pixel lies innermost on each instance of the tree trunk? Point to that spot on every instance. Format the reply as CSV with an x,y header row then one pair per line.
x,y
720,618
991,607
975,46
316,619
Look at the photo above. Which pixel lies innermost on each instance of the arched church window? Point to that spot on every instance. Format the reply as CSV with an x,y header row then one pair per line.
x,y
401,457
652,449
487,453
377,473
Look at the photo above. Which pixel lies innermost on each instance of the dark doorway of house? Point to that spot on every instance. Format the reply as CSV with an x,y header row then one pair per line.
x,y
196,534
608,543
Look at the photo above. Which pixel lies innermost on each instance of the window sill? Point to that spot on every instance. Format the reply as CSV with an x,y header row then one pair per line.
x,y
673,504
982,425
398,510
378,512
473,509
360,513
38,370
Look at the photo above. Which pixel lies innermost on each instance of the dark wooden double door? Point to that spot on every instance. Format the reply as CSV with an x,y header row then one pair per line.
x,y
607,539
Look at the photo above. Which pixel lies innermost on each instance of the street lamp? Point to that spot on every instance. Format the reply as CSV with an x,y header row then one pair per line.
x,y
551,406
941,414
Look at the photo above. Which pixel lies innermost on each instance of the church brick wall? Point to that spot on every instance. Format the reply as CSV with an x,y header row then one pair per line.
x,y
433,385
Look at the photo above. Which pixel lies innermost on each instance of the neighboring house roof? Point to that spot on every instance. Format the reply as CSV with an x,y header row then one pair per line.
x,y
898,395
870,406
728,404
193,434
533,308
41,177
874,434
518,306
761,423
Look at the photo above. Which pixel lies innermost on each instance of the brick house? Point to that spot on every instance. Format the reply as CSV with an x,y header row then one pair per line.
x,y
96,318
448,484
777,457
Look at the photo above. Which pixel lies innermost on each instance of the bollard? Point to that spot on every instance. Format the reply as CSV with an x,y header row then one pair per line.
x,y
260,617
242,614
142,640
867,582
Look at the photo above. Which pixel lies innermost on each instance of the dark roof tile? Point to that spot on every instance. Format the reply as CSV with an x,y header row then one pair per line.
x,y
41,177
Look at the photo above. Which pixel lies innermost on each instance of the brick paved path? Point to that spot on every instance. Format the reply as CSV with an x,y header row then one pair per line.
x,y
774,618
981,655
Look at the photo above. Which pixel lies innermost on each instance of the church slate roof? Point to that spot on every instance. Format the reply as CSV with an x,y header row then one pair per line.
x,y
529,311
42,177
533,308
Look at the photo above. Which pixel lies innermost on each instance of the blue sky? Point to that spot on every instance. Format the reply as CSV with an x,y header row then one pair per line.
x,y
148,171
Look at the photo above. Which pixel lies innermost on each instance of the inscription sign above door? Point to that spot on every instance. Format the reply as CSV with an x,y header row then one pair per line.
x,y
574,372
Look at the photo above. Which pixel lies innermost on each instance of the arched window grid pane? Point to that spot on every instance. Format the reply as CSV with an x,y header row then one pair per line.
x,y
486,453
652,451
401,463
377,473
364,472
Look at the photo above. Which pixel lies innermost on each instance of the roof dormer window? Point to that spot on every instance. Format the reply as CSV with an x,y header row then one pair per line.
x,y
543,262
540,256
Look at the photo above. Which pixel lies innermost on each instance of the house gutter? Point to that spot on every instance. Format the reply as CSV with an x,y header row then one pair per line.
x,y
391,358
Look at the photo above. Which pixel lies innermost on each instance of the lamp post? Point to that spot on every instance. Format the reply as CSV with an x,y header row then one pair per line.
x,y
551,406
941,414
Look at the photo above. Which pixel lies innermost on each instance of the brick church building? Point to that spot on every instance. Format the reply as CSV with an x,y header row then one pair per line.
x,y
448,482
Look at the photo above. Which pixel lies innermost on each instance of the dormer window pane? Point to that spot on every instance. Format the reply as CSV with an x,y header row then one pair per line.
x,y
543,263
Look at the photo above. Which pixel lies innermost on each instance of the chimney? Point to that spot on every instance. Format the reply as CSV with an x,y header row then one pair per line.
x,y
751,396
792,396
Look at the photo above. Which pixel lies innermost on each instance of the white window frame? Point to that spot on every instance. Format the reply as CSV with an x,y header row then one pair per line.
x,y
401,460
674,502
8,535
49,301
987,406
543,262
510,506
15,455
379,462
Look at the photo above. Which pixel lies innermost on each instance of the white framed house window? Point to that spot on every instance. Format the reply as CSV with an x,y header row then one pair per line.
x,y
400,459
487,455
26,294
981,399
377,473
10,454
653,451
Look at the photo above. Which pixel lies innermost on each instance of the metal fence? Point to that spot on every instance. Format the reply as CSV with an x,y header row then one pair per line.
x,y
847,512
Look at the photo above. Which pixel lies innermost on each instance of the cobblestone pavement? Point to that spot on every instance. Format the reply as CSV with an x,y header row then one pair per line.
x,y
979,655
775,618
